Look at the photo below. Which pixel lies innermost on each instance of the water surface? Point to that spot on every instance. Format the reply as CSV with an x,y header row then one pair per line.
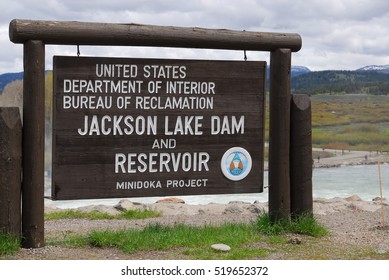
x,y
343,182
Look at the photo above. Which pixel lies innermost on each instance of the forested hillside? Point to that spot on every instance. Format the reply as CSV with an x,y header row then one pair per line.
x,y
305,81
341,82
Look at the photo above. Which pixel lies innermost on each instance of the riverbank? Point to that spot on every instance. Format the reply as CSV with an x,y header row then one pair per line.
x,y
329,158
352,222
355,224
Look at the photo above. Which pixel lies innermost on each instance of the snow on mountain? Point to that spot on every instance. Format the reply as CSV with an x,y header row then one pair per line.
x,y
298,70
376,68
295,71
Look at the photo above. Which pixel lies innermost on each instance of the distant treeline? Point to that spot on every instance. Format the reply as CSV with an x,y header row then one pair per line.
x,y
7,78
341,82
318,82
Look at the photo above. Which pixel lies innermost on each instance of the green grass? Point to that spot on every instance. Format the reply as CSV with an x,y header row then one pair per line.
x,y
8,244
305,224
94,215
348,122
196,241
259,239
252,240
158,237
368,137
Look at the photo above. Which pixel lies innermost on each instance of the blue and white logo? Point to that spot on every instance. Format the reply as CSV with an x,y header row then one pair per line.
x,y
236,164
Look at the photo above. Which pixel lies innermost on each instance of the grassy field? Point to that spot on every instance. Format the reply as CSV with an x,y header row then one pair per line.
x,y
349,122
352,122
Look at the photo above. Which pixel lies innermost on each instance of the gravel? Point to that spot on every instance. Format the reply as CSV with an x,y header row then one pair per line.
x,y
351,221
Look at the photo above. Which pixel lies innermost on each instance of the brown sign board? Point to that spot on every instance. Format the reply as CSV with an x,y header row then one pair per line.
x,y
125,127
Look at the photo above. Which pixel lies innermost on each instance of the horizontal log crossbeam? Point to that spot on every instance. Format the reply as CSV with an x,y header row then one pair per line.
x,y
89,33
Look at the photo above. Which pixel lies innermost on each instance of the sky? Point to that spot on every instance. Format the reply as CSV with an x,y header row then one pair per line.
x,y
336,34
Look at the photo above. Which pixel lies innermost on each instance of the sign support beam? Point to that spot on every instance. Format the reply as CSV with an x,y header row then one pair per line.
x,y
33,144
301,156
279,134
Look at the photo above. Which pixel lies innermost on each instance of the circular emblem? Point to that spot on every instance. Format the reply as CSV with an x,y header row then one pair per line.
x,y
236,164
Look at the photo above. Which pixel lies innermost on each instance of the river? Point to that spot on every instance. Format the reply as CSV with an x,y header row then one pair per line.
x,y
361,180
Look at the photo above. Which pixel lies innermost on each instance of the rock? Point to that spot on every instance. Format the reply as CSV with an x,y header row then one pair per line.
x,y
366,206
258,202
353,198
100,209
238,202
52,208
125,205
295,240
233,209
221,247
171,200
326,206
256,209
377,200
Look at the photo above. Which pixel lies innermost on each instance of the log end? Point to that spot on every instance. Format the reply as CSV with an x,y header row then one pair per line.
x,y
301,101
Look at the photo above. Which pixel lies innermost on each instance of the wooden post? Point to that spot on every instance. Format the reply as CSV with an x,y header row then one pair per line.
x,y
10,170
301,156
33,144
279,134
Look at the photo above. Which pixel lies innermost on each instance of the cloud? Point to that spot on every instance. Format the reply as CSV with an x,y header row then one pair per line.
x,y
337,34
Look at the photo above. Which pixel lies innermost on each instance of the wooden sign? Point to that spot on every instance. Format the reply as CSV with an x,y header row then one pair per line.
x,y
127,127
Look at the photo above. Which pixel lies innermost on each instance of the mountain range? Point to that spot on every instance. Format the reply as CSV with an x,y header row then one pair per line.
x,y
298,70
376,68
372,79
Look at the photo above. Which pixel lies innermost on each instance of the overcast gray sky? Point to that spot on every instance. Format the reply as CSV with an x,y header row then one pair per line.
x,y
337,34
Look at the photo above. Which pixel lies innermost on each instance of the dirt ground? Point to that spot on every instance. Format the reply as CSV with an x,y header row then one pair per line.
x,y
351,221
